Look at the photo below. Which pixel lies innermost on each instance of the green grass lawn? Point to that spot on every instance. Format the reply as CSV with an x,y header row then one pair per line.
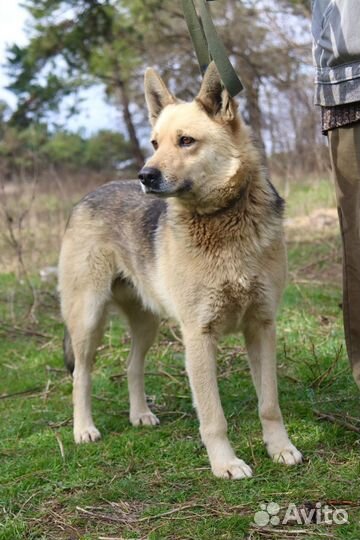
x,y
156,482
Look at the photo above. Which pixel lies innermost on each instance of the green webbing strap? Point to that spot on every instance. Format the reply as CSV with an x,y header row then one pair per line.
x,y
208,45
197,34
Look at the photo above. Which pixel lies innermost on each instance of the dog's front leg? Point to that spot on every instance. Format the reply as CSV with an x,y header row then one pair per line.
x,y
201,368
261,345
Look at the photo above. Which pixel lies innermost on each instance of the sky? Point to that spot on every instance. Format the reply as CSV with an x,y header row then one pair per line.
x,y
95,113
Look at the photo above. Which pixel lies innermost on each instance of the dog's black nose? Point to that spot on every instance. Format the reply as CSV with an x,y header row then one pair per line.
x,y
150,177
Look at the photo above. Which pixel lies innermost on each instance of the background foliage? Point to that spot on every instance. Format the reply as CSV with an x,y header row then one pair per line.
x,y
76,44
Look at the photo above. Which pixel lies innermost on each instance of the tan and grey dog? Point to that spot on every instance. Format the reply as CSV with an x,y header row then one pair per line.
x,y
200,240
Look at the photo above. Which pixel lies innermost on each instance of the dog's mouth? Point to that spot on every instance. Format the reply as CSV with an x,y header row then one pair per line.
x,y
165,190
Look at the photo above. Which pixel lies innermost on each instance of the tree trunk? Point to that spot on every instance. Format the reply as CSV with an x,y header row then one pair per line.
x,y
139,157
254,112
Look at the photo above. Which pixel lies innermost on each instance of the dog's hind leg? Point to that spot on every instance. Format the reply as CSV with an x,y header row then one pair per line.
x,y
85,324
143,326
261,346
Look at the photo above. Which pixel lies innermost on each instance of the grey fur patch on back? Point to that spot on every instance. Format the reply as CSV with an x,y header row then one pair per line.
x,y
101,198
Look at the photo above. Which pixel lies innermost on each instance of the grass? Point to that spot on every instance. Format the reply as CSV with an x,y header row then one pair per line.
x,y
308,195
156,483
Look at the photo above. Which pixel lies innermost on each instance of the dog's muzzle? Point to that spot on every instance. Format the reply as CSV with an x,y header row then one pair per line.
x,y
150,178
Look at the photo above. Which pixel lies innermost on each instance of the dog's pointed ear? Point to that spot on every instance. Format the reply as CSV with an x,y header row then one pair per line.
x,y
214,98
157,96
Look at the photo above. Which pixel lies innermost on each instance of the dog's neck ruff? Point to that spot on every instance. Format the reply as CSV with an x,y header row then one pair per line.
x,y
248,220
232,203
221,200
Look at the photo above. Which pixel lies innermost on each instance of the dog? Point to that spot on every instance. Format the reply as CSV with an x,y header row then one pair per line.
x,y
198,239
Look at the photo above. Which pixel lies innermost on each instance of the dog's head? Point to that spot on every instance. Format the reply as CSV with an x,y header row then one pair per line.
x,y
197,145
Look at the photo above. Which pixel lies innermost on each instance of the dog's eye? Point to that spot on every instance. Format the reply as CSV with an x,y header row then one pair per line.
x,y
155,144
186,141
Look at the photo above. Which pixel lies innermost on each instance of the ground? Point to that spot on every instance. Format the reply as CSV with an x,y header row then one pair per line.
x,y
156,483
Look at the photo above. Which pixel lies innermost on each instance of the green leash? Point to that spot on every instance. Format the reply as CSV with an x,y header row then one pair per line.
x,y
207,44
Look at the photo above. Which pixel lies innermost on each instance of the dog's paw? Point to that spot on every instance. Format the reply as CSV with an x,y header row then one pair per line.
x,y
86,435
234,469
144,419
289,455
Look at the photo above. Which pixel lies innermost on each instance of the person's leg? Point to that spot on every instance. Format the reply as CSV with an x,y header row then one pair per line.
x,y
344,144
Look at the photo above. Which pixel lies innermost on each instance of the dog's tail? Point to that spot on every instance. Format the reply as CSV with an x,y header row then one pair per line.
x,y
69,357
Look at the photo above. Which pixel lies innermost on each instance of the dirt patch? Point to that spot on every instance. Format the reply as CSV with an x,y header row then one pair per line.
x,y
130,517
322,221
319,233
327,271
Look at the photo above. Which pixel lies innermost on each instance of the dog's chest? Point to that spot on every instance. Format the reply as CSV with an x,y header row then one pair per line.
x,y
226,304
